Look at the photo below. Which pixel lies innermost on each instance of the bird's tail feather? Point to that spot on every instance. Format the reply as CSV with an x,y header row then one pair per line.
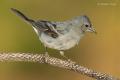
x,y
20,14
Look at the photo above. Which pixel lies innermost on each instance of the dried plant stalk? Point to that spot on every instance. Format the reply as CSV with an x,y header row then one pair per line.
x,y
45,58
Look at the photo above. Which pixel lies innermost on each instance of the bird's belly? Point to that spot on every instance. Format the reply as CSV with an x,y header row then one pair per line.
x,y
63,42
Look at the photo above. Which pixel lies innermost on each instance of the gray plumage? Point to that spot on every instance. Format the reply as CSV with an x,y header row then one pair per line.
x,y
60,35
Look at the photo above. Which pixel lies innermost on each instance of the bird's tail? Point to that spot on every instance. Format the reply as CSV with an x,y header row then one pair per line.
x,y
20,14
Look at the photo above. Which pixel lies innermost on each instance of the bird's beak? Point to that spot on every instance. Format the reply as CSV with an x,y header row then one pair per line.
x,y
92,29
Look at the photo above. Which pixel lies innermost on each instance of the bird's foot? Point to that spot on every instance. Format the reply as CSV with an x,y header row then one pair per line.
x,y
68,59
62,54
46,52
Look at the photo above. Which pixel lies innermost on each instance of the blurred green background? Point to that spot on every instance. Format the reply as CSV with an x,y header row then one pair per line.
x,y
100,52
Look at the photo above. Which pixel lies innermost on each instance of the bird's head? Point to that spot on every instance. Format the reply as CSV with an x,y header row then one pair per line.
x,y
86,25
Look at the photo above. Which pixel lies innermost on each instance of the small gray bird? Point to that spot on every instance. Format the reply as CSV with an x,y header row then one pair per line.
x,y
59,35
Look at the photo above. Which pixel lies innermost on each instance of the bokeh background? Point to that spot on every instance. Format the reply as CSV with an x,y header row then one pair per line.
x,y
100,52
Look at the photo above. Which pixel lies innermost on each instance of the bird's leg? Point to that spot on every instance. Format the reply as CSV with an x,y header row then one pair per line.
x,y
62,54
45,48
69,60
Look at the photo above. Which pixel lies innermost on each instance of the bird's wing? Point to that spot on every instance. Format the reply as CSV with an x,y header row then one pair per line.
x,y
47,27
63,27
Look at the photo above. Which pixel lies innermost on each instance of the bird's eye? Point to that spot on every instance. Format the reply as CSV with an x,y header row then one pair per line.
x,y
86,25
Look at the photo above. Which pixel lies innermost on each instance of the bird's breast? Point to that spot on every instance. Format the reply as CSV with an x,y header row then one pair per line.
x,y
63,42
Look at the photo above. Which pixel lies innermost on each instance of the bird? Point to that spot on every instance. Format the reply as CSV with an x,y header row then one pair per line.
x,y
59,35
